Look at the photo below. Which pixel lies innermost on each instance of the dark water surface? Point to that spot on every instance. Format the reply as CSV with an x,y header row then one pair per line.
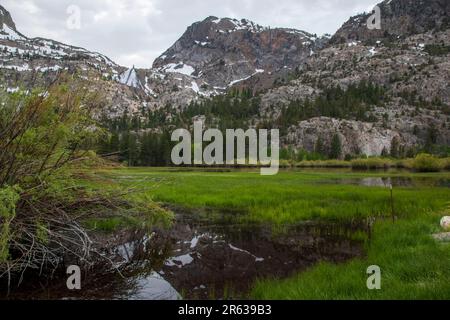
x,y
198,259
398,182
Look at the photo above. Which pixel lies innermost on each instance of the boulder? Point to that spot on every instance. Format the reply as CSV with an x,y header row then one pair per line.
x,y
445,223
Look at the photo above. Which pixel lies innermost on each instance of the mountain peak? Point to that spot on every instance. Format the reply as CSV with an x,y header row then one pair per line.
x,y
8,29
6,19
231,24
224,51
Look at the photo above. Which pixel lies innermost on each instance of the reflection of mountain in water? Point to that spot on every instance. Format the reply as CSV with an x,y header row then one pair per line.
x,y
153,287
198,259
222,260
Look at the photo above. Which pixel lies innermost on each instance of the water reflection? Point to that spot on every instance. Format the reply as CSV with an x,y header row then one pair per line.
x,y
199,259
388,181
222,260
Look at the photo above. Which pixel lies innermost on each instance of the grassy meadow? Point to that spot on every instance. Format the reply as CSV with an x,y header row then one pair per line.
x,y
414,265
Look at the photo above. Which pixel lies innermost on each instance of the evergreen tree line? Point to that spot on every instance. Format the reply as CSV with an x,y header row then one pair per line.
x,y
355,103
233,110
321,151
136,142
133,142
139,149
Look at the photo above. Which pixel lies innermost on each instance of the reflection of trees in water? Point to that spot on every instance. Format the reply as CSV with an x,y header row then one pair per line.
x,y
394,181
224,261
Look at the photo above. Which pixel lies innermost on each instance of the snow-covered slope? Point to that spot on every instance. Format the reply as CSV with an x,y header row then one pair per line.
x,y
22,54
130,79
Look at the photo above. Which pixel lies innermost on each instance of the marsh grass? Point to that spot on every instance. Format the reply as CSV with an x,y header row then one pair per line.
x,y
413,266
288,197
421,163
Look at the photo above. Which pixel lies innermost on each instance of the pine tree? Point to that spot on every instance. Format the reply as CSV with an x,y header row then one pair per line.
x,y
395,144
114,143
336,147
319,147
133,150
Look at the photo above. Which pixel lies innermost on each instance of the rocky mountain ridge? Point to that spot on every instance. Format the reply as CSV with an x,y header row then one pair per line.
x,y
236,51
281,67
398,19
222,52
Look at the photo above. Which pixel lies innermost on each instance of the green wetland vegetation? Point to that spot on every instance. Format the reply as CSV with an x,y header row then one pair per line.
x,y
413,264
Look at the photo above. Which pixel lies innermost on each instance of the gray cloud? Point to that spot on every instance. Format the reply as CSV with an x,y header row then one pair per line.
x,y
137,31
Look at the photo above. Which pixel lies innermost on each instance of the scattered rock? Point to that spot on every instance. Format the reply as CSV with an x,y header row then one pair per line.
x,y
444,237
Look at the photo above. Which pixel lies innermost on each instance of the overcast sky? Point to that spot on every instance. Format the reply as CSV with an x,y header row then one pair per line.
x,y
135,32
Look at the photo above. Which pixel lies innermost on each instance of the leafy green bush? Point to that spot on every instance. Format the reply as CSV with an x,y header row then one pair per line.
x,y
44,138
9,197
427,163
372,163
446,163
323,164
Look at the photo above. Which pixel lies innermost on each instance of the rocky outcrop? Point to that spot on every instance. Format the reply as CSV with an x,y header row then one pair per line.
x,y
34,61
416,99
403,65
280,97
356,137
399,18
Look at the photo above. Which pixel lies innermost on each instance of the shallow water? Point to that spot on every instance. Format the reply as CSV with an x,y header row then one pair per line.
x,y
388,181
197,259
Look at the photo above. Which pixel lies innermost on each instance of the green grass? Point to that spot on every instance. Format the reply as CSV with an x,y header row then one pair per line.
x,y
288,197
107,225
413,264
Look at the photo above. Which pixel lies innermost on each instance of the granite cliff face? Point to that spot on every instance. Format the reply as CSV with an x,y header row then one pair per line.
x,y
356,137
223,52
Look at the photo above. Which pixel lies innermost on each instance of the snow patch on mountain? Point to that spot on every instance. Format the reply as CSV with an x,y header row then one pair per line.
x,y
232,83
194,86
130,78
6,33
201,43
148,90
232,25
178,68
52,68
